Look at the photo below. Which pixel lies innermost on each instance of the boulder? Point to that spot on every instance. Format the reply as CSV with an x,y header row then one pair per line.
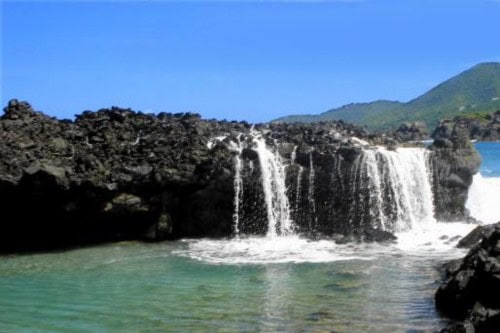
x,y
471,291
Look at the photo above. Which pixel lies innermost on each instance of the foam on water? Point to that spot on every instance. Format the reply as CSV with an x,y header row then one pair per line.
x,y
266,250
429,239
435,237
484,198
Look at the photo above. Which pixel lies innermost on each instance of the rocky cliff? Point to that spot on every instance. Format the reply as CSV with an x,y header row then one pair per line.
x,y
117,174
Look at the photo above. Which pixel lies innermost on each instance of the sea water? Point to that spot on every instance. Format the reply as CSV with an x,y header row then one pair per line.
x,y
280,284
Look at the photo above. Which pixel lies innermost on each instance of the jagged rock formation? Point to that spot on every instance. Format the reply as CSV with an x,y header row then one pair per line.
x,y
116,174
471,291
109,175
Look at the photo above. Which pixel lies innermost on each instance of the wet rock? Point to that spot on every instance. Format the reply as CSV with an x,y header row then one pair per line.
x,y
377,235
162,229
454,161
471,291
126,203
475,236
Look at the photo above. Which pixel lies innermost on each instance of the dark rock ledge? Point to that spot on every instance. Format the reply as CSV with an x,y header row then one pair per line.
x,y
116,174
470,295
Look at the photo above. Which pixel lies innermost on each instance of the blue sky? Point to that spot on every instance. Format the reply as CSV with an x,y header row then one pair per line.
x,y
251,60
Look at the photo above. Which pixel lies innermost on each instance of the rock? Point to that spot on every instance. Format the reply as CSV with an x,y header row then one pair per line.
x,y
45,175
475,236
471,291
412,131
474,127
377,235
117,174
454,161
126,203
161,230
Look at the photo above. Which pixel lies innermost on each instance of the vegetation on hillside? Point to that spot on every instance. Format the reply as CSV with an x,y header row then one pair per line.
x,y
477,91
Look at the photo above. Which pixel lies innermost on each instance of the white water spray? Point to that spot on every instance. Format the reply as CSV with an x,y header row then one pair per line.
x,y
375,181
310,194
273,184
238,184
404,177
484,195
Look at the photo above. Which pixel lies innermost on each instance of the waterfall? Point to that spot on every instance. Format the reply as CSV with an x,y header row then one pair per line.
x,y
298,185
238,184
293,155
298,189
274,187
313,219
375,182
355,198
391,190
400,187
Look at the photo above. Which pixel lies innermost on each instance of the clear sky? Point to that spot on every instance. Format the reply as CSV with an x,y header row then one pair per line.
x,y
252,60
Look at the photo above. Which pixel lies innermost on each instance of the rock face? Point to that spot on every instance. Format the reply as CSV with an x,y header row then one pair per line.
x,y
109,175
471,292
412,131
116,174
482,128
454,162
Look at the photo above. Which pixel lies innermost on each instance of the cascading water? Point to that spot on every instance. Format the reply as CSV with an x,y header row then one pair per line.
x,y
238,184
389,189
399,186
298,188
375,181
274,187
298,185
313,219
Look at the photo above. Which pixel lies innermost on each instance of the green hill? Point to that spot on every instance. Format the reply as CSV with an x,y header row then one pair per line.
x,y
475,90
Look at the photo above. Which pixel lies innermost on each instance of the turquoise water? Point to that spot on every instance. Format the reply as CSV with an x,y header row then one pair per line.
x,y
490,152
133,287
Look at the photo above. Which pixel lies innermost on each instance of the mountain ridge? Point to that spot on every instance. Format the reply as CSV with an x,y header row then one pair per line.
x,y
474,90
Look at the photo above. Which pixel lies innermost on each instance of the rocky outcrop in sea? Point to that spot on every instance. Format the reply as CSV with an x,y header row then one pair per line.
x,y
117,174
470,293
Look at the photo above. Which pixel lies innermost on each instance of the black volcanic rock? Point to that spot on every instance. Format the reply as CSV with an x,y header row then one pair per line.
x,y
480,127
412,131
113,174
118,174
471,292
454,161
